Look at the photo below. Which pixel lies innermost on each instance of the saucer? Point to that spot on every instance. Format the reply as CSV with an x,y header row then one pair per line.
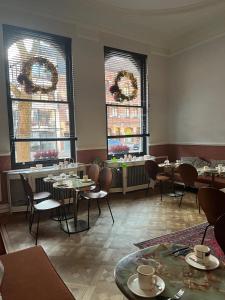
x,y
133,285
212,264
86,180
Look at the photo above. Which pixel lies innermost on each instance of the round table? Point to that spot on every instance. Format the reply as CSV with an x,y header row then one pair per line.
x,y
176,273
212,172
75,225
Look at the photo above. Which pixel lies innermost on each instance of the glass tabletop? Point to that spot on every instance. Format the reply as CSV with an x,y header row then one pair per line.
x,y
175,272
73,183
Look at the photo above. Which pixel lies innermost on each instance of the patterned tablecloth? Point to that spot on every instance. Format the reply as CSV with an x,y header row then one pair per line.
x,y
198,284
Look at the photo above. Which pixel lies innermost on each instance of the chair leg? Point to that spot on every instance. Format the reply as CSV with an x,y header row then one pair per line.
x,y
161,189
65,218
205,234
99,208
146,193
31,220
89,203
181,198
109,208
28,206
58,212
38,220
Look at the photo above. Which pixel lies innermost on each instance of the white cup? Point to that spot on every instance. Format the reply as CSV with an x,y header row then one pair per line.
x,y
146,277
39,166
202,254
50,176
205,168
60,181
85,177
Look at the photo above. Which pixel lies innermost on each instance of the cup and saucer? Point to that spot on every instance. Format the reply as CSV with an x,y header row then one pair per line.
x,y
145,283
202,259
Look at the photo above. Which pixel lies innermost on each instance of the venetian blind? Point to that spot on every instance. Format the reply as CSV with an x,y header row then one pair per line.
x,y
40,97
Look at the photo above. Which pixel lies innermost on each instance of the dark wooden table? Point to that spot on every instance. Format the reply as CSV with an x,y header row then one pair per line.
x,y
29,275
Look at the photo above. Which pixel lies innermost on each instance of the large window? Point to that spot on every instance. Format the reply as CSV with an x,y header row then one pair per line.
x,y
126,107
40,98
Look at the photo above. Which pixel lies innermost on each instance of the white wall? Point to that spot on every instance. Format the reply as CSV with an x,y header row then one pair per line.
x,y
197,95
88,60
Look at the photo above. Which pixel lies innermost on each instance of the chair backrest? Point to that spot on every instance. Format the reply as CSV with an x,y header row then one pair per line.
x,y
151,168
188,174
220,232
27,189
93,172
105,179
212,201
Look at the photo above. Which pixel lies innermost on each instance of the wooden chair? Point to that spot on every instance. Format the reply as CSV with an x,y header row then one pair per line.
x,y
38,197
152,171
220,232
93,174
43,206
189,176
212,201
105,181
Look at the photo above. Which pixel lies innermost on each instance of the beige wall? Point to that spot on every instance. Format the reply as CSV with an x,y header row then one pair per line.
x,y
197,95
88,63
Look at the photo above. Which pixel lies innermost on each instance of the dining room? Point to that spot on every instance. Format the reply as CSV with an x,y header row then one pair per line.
x,y
112,153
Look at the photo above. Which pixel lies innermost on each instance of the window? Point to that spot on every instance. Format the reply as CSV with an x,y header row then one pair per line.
x,y
40,98
126,107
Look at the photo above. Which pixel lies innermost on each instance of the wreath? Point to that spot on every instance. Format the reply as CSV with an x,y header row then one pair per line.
x,y
118,93
30,86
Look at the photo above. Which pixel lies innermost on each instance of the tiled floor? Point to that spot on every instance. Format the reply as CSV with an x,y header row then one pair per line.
x,y
86,261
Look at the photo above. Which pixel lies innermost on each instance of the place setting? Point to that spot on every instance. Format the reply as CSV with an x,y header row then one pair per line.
x,y
202,258
145,283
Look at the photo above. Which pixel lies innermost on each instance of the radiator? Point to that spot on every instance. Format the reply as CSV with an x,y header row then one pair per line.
x,y
136,175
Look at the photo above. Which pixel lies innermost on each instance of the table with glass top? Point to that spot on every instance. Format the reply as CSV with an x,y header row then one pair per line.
x,y
175,272
75,185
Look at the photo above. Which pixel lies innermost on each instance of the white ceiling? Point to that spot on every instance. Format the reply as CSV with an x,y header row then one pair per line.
x,y
168,26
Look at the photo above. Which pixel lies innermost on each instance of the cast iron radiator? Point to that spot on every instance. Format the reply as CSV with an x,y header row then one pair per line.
x,y
136,175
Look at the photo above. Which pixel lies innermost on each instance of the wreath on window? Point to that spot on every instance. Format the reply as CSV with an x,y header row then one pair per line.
x,y
29,85
117,92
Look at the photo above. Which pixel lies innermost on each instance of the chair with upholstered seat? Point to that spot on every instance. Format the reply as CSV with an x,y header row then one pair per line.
x,y
43,206
105,181
212,202
189,176
220,232
36,196
152,172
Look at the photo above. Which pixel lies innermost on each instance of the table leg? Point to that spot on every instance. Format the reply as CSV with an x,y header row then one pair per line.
x,y
74,224
174,192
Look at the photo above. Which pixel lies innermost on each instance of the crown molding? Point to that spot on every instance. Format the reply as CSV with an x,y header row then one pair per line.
x,y
85,31
96,33
201,4
196,45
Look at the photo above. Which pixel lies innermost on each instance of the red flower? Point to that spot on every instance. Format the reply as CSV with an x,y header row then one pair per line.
x,y
119,149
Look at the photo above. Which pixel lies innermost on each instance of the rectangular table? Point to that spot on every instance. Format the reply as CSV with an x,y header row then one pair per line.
x,y
29,275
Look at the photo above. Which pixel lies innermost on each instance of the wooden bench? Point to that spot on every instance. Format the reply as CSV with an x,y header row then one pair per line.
x,y
29,275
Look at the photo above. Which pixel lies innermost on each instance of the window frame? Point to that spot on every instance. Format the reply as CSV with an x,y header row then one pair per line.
x,y
67,42
144,103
